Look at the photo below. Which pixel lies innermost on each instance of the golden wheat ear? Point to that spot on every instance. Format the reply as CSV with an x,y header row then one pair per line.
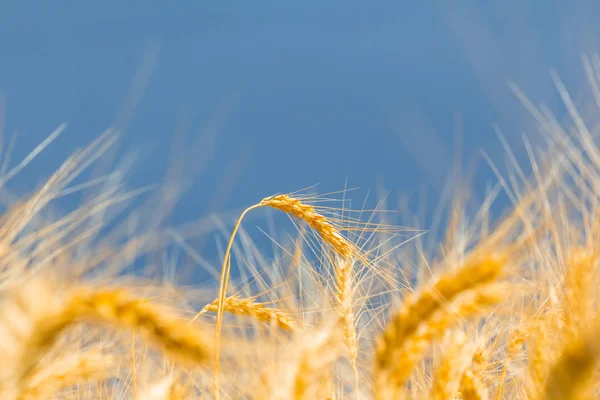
x,y
35,317
472,385
167,388
316,221
70,370
451,367
570,378
247,306
344,297
299,210
424,317
305,370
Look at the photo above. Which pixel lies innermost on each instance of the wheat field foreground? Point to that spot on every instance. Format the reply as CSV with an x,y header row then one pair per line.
x,y
351,305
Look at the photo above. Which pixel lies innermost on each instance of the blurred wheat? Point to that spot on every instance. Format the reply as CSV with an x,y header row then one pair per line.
x,y
499,308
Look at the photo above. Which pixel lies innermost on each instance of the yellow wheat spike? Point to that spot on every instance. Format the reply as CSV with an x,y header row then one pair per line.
x,y
298,209
303,373
416,309
396,359
316,221
166,388
68,371
37,315
569,378
343,296
579,282
452,366
247,306
472,386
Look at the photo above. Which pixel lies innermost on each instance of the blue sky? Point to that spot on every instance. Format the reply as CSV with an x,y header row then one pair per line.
x,y
301,92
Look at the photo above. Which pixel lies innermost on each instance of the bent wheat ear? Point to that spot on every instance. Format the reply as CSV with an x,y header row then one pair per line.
x,y
68,371
240,306
298,209
37,316
316,221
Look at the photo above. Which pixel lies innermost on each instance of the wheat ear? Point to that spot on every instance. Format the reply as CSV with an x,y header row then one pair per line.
x,y
247,306
37,316
472,386
68,371
167,388
578,285
316,221
395,360
475,272
516,339
304,373
298,209
452,366
569,377
343,296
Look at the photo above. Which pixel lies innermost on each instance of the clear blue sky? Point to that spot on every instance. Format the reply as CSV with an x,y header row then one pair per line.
x,y
309,92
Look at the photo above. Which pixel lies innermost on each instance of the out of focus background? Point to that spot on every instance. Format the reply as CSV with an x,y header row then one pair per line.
x,y
265,97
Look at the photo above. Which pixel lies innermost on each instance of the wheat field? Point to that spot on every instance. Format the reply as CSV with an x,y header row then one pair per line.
x,y
354,306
